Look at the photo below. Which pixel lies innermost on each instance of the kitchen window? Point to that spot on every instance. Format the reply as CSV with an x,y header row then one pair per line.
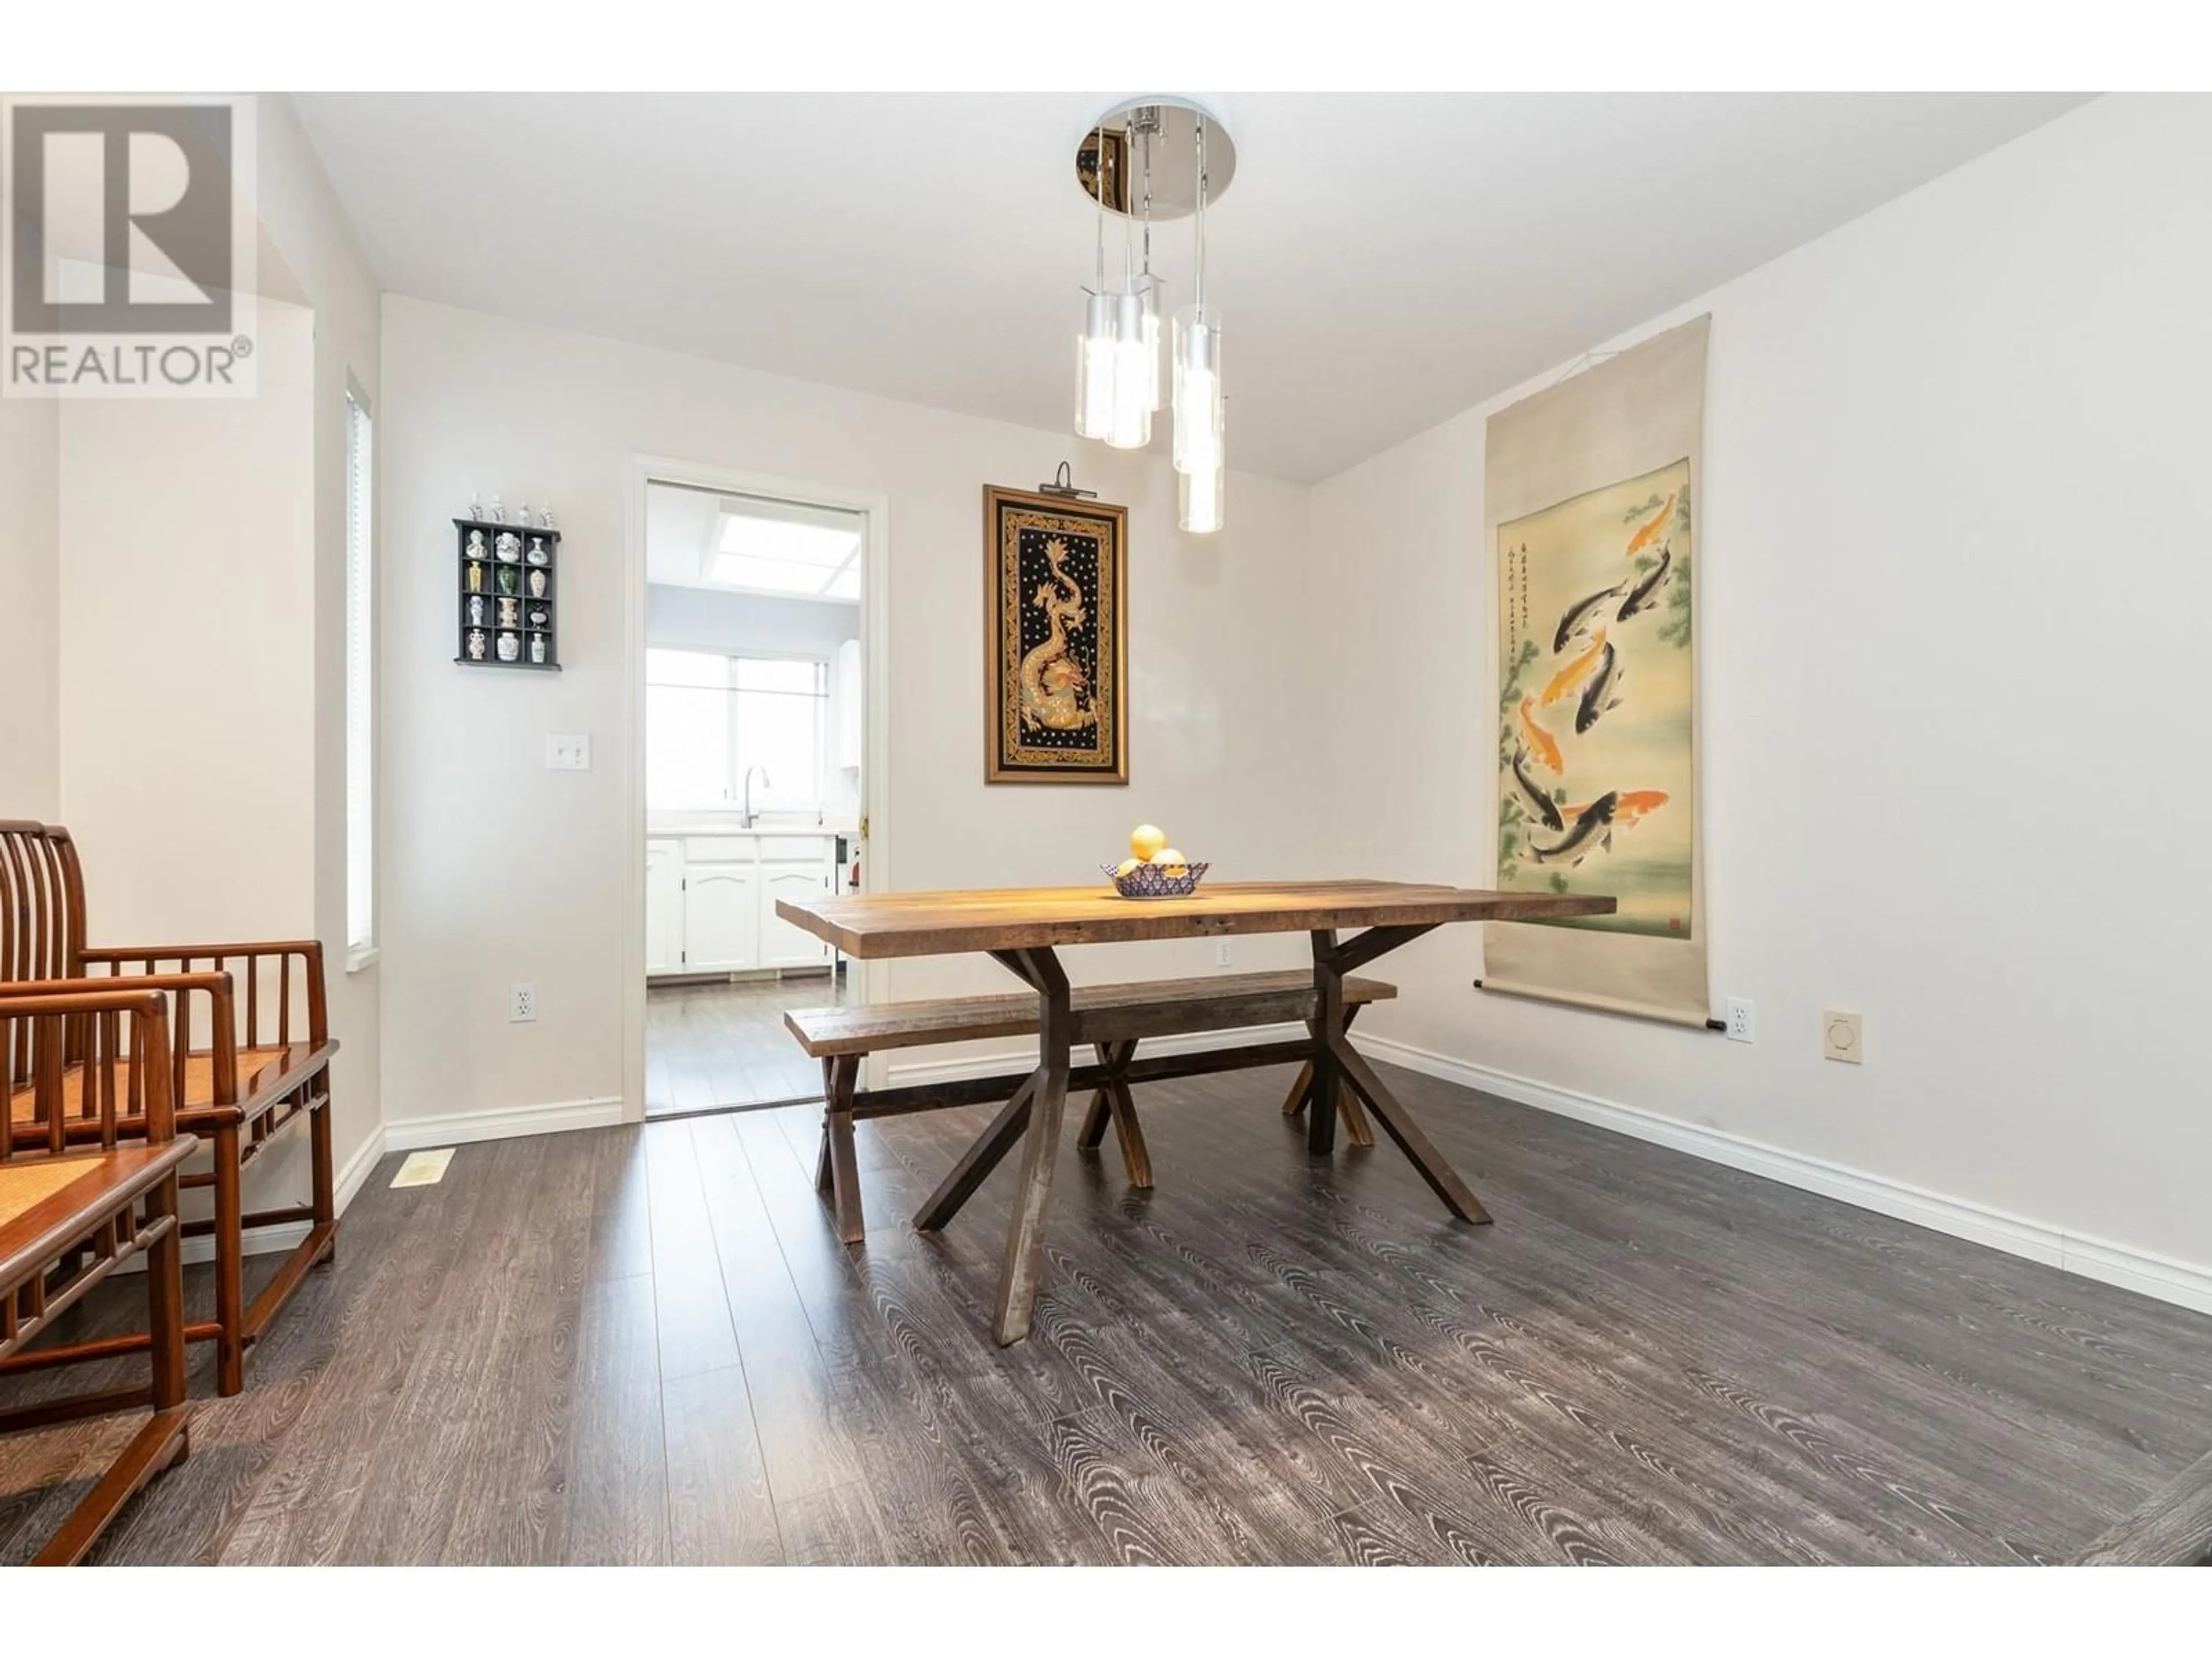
x,y
710,719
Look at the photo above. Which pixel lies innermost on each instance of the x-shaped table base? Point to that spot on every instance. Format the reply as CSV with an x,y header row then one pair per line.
x,y
1036,1114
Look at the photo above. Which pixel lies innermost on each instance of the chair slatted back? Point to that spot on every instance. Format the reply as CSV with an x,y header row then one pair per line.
x,y
42,924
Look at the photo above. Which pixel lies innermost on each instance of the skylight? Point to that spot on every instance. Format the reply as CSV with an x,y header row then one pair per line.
x,y
816,554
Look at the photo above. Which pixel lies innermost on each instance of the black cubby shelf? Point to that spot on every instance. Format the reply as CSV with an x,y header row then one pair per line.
x,y
506,607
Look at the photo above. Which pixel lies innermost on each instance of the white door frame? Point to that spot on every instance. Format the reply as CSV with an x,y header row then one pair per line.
x,y
646,470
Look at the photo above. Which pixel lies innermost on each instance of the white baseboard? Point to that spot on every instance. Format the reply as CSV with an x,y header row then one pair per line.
x,y
2182,1283
1022,1059
504,1123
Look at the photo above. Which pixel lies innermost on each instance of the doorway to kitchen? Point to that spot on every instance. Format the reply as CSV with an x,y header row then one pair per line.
x,y
755,772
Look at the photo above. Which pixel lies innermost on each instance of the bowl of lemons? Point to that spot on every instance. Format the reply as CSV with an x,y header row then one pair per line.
x,y
1154,869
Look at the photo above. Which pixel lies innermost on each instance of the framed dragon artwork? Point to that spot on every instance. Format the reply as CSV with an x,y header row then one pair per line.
x,y
1055,593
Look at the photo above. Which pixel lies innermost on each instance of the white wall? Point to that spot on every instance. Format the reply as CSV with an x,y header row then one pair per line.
x,y
187,612
1952,529
30,613
497,870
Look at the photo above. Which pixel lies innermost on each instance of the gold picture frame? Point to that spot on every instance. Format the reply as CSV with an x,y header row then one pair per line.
x,y
1055,598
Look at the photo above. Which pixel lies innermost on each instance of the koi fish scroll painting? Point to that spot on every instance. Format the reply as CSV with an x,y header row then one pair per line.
x,y
1597,731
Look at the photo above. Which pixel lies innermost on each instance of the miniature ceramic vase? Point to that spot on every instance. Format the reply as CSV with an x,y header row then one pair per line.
x,y
510,648
475,507
475,645
522,513
508,548
536,584
510,611
498,513
538,616
476,608
545,518
506,578
538,555
538,648
476,579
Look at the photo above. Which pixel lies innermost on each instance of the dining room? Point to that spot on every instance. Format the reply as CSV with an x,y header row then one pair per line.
x,y
1413,908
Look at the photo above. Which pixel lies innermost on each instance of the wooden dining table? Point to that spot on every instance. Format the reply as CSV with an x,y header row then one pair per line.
x,y
1023,929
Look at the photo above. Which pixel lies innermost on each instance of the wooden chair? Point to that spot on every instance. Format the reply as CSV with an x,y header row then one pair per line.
x,y
243,1069
74,1207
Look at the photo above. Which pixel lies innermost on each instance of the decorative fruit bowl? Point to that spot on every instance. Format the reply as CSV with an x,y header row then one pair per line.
x,y
1153,881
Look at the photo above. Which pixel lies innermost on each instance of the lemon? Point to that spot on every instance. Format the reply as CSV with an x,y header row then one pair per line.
x,y
1170,862
1128,864
1145,841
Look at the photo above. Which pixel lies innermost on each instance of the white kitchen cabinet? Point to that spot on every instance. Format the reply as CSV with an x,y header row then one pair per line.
x,y
663,907
710,895
781,945
721,917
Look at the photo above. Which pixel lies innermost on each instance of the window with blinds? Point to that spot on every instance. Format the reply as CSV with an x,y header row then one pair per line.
x,y
361,677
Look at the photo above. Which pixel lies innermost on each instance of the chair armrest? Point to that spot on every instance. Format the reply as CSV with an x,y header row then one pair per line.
x,y
311,948
253,953
49,1027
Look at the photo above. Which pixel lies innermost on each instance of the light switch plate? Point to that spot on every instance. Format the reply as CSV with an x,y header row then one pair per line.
x,y
1843,1037
568,752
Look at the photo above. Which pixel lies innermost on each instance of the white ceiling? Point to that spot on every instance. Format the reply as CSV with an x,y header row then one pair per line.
x,y
1382,261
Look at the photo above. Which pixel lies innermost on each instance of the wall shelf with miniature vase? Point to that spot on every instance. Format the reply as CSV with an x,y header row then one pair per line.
x,y
508,605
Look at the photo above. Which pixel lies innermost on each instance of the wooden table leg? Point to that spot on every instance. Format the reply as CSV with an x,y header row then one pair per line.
x,y
976,1163
1121,1107
1332,962
1355,1125
1022,1268
824,1179
1328,1018
844,1166
1102,1110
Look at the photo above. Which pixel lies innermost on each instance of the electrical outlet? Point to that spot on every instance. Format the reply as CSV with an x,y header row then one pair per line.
x,y
521,1003
568,752
1223,953
1742,1020
1843,1037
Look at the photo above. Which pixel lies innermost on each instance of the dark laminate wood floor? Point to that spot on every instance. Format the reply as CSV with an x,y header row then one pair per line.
x,y
646,1346
725,1044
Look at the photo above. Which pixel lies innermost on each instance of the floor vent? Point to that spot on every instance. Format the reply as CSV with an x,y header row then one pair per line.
x,y
424,1169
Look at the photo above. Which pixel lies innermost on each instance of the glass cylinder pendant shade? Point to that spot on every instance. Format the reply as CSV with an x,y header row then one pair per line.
x,y
1136,367
1117,363
1148,294
1094,368
1200,409
1199,504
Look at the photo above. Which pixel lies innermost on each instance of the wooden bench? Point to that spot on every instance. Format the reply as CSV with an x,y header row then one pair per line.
x,y
1114,1020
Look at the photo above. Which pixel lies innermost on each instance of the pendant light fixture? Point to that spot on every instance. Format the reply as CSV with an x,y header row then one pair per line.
x,y
1200,407
1181,158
